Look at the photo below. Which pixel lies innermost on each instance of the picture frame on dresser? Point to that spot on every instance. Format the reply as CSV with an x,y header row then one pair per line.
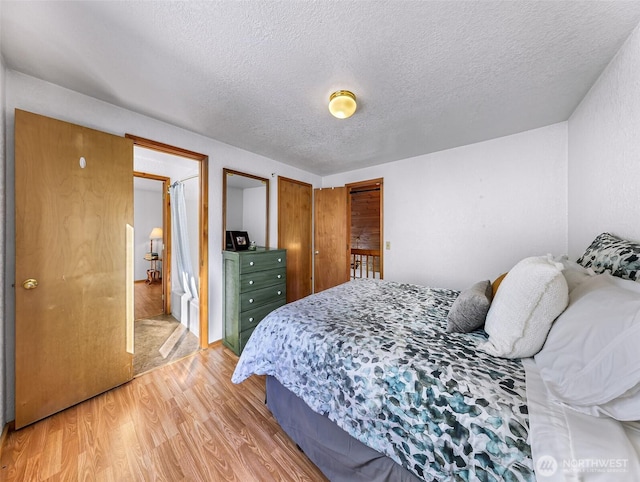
x,y
237,240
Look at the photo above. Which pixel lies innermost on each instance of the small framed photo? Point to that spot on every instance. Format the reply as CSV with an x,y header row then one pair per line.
x,y
237,240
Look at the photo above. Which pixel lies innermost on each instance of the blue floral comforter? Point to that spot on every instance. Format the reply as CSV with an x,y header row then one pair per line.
x,y
374,356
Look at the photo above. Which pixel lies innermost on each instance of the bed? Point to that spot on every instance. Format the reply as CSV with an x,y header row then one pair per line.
x,y
369,380
369,354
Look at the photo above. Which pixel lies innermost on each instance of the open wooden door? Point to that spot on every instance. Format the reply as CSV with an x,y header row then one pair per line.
x,y
74,279
330,238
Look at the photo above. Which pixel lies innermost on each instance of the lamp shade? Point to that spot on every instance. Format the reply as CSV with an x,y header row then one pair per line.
x,y
156,233
342,104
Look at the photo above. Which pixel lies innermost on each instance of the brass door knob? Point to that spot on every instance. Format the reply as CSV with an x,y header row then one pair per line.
x,y
30,284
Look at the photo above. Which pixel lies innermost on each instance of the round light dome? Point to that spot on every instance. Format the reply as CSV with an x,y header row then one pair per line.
x,y
342,104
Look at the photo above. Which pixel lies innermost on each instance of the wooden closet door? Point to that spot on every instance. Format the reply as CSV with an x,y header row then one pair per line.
x,y
294,234
330,238
74,200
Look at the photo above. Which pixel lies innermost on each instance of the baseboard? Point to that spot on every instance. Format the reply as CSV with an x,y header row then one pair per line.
x,y
9,427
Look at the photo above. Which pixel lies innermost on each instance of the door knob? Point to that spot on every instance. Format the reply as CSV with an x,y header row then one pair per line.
x,y
317,252
30,284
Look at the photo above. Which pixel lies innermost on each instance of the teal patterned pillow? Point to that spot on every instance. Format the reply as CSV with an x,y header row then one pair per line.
x,y
609,252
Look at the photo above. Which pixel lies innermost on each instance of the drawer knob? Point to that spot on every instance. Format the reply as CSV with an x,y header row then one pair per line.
x,y
251,263
279,292
251,319
279,276
250,300
279,260
251,282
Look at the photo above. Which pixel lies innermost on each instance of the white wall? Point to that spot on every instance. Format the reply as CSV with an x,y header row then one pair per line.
x,y
44,98
467,214
147,214
604,154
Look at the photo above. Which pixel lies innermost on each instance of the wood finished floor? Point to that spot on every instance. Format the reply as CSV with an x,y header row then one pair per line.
x,y
184,421
147,300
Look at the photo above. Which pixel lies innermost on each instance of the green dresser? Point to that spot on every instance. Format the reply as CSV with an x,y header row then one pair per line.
x,y
255,284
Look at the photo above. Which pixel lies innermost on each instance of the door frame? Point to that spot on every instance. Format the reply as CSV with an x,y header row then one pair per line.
x,y
166,236
203,223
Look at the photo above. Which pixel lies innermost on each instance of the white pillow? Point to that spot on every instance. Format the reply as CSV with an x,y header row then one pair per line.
x,y
591,359
530,297
573,272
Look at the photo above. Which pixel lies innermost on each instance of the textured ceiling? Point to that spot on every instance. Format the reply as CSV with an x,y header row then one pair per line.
x,y
429,75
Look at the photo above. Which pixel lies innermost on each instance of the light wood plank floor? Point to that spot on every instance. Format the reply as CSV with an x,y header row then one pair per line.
x,y
147,300
184,421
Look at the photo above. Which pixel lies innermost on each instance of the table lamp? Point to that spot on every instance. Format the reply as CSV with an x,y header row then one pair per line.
x,y
156,233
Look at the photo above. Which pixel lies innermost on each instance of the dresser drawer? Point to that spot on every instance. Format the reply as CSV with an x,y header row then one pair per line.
x,y
255,283
250,318
251,300
243,337
262,261
262,279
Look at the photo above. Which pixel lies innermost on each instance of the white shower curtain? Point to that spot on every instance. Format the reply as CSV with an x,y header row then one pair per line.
x,y
180,241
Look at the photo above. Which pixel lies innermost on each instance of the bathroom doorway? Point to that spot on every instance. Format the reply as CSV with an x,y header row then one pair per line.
x,y
167,325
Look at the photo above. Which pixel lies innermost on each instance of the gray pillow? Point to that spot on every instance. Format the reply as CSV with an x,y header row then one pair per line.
x,y
470,308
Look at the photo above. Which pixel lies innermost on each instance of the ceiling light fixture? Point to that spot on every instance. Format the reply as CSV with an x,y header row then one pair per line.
x,y
342,104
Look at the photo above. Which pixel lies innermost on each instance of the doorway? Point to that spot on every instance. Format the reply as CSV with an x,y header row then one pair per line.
x,y
365,208
348,230
167,321
152,222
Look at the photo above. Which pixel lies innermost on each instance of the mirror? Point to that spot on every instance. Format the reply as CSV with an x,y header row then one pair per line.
x,y
245,206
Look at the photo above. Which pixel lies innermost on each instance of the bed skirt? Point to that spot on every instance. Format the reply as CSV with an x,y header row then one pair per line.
x,y
338,455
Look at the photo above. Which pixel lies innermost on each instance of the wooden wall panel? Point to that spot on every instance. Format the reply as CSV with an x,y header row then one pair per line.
x,y
365,219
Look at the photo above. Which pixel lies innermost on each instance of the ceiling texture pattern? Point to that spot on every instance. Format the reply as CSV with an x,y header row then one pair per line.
x,y
428,75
